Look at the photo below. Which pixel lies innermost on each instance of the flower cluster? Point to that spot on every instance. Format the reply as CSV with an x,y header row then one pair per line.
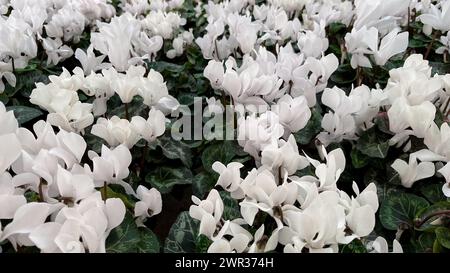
x,y
50,24
310,212
307,212
52,198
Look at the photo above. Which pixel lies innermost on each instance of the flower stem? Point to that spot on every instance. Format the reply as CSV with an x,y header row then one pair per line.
x,y
419,223
127,115
216,50
445,108
105,191
144,155
13,65
40,190
280,178
409,21
359,76
430,45
343,52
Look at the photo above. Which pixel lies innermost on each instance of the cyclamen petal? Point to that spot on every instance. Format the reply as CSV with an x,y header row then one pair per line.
x,y
27,218
11,150
44,237
115,211
9,204
413,171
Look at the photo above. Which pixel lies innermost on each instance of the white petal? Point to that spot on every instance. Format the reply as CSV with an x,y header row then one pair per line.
x,y
10,150
76,144
445,171
44,236
140,209
239,242
219,246
396,247
427,155
272,243
115,211
446,189
362,220
207,225
9,204
27,218
425,170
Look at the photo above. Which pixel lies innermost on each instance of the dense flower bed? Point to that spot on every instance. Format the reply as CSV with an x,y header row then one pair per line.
x,y
224,126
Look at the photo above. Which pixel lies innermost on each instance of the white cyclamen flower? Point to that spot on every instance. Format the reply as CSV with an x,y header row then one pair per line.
x,y
116,131
151,128
413,171
150,203
380,245
438,19
112,167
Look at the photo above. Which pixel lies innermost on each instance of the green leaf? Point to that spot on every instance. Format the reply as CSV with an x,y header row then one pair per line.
x,y
335,28
439,118
4,98
400,210
28,68
344,75
165,177
416,43
124,238
175,150
384,190
439,68
437,247
202,243
94,142
425,242
223,152
243,160
359,160
202,183
148,241
378,150
135,107
24,114
162,66
419,41
186,98
26,82
370,145
443,236
393,177
433,192
239,150
182,235
382,123
356,246
335,49
31,196
231,207
128,238
192,144
312,128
